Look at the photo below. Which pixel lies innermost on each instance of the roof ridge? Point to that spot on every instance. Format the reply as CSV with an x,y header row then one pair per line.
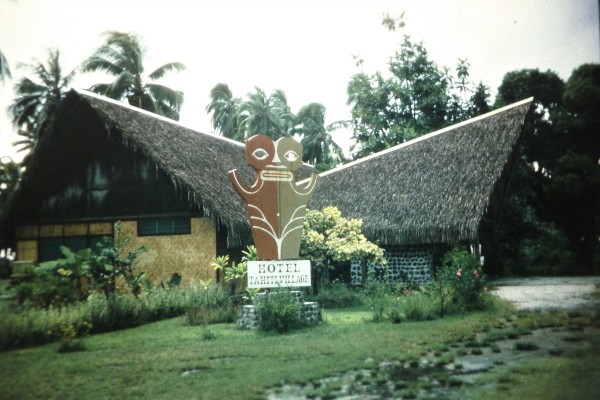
x,y
151,114
426,136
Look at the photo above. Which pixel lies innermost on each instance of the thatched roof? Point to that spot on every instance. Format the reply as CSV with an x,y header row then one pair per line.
x,y
434,189
196,162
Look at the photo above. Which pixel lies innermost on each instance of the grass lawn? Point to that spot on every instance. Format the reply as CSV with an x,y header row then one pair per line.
x,y
171,360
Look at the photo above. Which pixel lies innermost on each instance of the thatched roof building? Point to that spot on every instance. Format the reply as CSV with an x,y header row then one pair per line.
x,y
196,163
434,189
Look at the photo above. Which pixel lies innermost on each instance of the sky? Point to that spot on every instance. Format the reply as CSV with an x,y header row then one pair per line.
x,y
304,48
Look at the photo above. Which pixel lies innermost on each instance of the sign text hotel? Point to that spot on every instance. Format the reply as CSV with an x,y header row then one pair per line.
x,y
279,273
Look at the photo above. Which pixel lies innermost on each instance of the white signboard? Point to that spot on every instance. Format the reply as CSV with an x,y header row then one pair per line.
x,y
279,273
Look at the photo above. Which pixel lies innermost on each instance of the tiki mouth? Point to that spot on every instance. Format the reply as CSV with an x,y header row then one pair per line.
x,y
274,175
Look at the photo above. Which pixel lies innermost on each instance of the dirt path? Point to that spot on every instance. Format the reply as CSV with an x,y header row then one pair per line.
x,y
549,293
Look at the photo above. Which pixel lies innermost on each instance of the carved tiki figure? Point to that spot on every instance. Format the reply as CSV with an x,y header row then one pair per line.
x,y
276,205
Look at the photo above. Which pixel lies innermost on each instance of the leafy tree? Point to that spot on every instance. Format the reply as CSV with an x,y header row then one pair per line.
x,y
575,183
258,113
10,173
122,56
240,118
319,148
557,176
37,98
112,260
267,115
416,97
328,238
4,68
224,108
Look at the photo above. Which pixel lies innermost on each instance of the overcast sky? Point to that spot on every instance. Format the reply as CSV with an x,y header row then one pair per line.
x,y
302,47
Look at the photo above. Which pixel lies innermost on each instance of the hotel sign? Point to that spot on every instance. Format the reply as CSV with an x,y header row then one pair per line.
x,y
275,273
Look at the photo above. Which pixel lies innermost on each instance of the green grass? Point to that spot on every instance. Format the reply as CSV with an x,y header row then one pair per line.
x,y
148,361
171,359
573,375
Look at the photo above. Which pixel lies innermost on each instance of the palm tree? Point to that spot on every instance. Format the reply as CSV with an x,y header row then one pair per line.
x,y
10,172
319,147
122,56
37,99
268,115
224,108
4,68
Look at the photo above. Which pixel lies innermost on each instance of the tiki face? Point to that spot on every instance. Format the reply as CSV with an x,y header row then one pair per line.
x,y
260,151
274,161
275,204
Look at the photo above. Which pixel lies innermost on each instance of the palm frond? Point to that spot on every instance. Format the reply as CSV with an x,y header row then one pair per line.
x,y
166,68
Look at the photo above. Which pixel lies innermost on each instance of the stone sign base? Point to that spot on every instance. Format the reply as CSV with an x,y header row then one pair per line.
x,y
309,311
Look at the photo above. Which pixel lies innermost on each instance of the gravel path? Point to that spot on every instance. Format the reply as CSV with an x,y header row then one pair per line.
x,y
548,293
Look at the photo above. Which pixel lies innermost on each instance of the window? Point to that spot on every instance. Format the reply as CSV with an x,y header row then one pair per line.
x,y
164,226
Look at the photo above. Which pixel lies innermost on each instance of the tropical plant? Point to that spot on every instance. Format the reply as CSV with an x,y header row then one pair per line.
x,y
415,98
224,108
234,273
328,238
266,115
319,148
460,281
280,312
37,98
122,56
112,260
10,173
4,68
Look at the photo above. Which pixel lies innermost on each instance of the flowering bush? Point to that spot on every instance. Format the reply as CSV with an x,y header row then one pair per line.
x,y
329,238
460,280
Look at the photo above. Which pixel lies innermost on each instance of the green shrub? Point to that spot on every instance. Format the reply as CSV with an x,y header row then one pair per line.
x,y
418,306
44,286
338,295
208,303
378,297
460,282
70,335
548,254
280,312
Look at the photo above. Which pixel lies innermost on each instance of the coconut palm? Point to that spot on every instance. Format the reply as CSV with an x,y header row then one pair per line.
x,y
224,108
10,172
4,68
37,98
122,56
268,115
319,147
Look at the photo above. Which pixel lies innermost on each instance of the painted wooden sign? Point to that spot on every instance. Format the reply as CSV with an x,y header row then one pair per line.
x,y
276,205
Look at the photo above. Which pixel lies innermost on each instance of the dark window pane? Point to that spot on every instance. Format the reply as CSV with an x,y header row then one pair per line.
x,y
49,249
164,226
76,243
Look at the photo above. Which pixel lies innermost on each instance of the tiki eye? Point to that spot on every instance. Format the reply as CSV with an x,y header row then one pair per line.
x,y
291,156
260,154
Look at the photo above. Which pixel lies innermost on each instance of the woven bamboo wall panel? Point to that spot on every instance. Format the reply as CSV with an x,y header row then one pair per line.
x,y
76,229
188,255
51,230
27,231
27,250
101,228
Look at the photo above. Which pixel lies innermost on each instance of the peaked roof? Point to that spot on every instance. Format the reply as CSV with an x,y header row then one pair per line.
x,y
196,162
433,189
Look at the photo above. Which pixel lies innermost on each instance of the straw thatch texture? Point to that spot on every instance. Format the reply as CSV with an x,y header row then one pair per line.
x,y
434,189
197,163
